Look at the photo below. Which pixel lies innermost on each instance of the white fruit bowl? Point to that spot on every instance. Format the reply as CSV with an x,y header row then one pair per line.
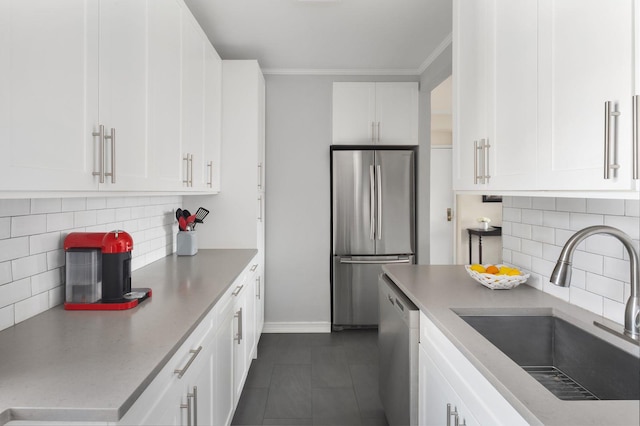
x,y
497,282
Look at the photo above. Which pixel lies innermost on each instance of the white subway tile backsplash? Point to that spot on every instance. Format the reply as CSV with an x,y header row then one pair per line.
x,y
600,270
579,220
625,224
84,218
604,206
74,204
46,205
28,225
586,299
6,317
5,273
59,221
543,203
555,219
606,287
15,291
14,207
543,234
510,214
576,205
532,217
32,306
521,230
522,202
32,233
45,242
605,245
632,208
5,227
506,256
97,203
613,310
533,248
28,266
14,248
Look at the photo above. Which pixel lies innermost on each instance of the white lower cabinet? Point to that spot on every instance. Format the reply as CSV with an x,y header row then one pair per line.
x,y
450,386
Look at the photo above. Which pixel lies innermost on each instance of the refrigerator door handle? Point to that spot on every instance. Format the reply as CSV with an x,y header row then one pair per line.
x,y
372,191
373,262
379,200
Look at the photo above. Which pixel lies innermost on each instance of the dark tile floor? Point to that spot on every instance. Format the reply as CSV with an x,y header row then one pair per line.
x,y
313,379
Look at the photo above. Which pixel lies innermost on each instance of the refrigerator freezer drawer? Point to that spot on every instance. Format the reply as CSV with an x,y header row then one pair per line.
x,y
355,289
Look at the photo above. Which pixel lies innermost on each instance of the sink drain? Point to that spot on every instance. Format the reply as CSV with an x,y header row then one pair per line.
x,y
561,385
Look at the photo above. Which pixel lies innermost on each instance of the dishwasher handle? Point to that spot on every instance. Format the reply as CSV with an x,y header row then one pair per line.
x,y
374,262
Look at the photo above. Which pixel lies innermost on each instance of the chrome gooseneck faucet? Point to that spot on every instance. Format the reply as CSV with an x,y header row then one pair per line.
x,y
561,275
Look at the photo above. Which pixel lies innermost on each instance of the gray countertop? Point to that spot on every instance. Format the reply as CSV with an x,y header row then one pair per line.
x,y
93,365
441,291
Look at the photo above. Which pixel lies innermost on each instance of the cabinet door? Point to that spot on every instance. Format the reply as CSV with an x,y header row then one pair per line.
x,y
354,111
469,89
512,95
586,59
223,401
49,101
212,118
199,387
397,113
435,394
240,347
123,92
164,95
192,101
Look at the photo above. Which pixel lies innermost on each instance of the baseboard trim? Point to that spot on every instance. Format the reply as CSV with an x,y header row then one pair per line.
x,y
297,327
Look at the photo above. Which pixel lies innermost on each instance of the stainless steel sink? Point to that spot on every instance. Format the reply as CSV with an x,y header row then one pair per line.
x,y
570,362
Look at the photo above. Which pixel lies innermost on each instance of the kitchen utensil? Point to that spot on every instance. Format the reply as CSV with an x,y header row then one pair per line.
x,y
186,214
182,224
179,214
191,221
201,214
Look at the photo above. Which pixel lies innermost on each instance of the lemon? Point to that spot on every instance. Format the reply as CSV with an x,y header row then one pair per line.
x,y
478,268
504,270
514,271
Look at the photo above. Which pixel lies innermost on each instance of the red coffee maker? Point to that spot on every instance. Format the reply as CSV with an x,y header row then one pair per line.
x,y
98,272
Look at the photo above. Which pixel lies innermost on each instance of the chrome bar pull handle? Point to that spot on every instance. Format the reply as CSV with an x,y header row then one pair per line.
x,y
195,406
181,371
237,290
475,163
372,200
254,267
191,169
210,167
448,414
635,151
238,315
260,176
453,414
378,131
482,158
260,209
100,135
379,200
373,132
487,176
185,159
610,148
259,295
188,407
112,137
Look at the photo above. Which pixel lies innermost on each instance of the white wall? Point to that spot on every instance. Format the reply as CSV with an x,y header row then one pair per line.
x,y
32,232
535,229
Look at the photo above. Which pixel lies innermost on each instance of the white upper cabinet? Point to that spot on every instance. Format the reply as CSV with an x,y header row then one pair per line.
x,y
123,93
49,94
531,80
495,90
375,113
585,60
164,94
107,95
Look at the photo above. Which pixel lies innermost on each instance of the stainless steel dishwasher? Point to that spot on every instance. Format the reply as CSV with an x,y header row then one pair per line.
x,y
398,334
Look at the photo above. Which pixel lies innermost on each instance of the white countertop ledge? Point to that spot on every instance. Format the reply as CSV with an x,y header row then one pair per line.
x,y
93,365
443,291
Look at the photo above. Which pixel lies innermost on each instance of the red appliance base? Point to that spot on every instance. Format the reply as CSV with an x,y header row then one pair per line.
x,y
121,305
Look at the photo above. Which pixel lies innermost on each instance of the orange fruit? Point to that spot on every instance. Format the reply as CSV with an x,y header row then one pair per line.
x,y
492,269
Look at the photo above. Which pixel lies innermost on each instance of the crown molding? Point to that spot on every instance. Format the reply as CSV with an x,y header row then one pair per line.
x,y
436,52
338,71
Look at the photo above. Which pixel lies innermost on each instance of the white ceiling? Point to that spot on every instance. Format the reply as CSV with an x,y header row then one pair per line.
x,y
328,36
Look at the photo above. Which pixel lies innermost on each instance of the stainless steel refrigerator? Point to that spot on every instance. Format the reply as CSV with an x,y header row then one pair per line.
x,y
373,223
